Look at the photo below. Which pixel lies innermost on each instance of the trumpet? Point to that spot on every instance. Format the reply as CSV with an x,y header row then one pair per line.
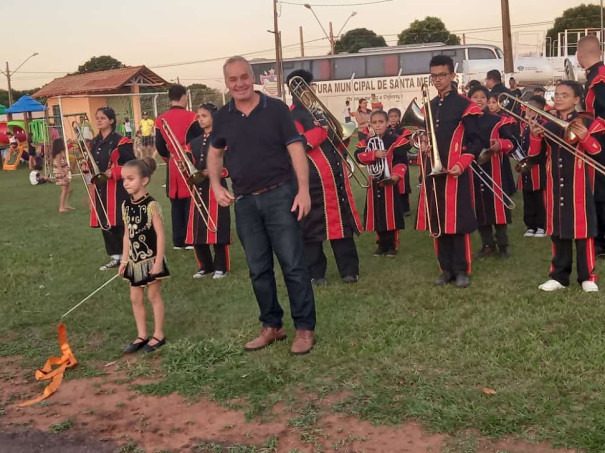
x,y
87,161
565,142
337,132
191,176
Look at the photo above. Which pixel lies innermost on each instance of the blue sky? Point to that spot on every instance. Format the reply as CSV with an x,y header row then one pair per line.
x,y
66,33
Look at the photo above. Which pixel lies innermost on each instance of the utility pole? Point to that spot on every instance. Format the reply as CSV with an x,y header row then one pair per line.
x,y
302,43
464,38
507,40
10,91
331,40
277,51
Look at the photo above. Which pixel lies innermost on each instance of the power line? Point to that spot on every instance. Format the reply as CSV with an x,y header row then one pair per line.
x,y
340,4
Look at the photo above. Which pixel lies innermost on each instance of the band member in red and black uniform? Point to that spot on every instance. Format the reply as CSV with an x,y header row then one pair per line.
x,y
333,214
589,57
185,127
383,211
451,211
491,210
395,127
110,151
198,232
570,209
533,181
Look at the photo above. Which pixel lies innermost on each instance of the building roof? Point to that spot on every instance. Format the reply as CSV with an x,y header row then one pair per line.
x,y
101,82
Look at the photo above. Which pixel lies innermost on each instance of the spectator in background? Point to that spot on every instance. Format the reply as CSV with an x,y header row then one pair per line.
x,y
127,127
512,83
147,134
85,128
376,104
493,82
34,176
539,91
346,113
362,117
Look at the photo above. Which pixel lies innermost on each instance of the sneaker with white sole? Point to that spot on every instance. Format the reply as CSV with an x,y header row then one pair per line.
x,y
189,247
111,265
529,233
201,274
590,287
219,274
540,233
551,285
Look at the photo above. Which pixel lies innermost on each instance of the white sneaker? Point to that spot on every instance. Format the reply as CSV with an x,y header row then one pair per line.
x,y
529,233
201,274
589,287
219,274
551,285
178,248
111,265
540,233
189,247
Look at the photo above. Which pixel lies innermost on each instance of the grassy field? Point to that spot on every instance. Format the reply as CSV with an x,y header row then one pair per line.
x,y
396,346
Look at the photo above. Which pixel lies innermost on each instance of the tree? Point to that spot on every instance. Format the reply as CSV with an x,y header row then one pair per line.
x,y
201,94
102,63
583,16
358,38
16,95
431,29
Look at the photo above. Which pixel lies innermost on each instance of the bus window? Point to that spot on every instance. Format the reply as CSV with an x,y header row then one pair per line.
x,y
456,54
345,67
375,66
415,62
478,53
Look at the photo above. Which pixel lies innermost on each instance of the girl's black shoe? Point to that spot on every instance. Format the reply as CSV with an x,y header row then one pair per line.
x,y
134,347
149,348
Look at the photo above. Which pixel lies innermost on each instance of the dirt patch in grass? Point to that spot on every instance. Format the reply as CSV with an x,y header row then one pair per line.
x,y
105,414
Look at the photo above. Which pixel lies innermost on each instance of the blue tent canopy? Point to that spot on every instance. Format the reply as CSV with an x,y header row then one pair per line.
x,y
25,104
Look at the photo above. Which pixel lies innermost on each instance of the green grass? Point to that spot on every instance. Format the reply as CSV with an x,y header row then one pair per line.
x,y
393,345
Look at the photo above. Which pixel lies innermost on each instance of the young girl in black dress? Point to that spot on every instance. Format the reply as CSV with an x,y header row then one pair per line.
x,y
144,244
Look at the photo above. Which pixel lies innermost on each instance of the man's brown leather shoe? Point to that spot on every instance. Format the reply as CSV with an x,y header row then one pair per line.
x,y
267,336
303,342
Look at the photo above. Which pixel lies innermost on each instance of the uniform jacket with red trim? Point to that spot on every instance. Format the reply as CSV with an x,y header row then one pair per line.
x,y
568,198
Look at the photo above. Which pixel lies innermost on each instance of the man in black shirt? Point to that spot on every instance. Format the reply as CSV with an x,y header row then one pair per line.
x,y
270,173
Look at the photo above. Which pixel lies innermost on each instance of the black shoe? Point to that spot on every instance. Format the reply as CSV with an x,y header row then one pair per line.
x,y
444,278
391,253
134,347
350,278
379,251
599,252
462,280
486,250
504,252
319,281
149,348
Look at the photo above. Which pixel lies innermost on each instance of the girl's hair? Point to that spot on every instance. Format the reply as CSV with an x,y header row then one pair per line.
x,y
361,101
493,96
110,114
210,107
58,147
477,88
146,165
381,113
394,110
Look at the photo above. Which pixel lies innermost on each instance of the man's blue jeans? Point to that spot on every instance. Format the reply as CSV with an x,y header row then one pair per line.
x,y
265,226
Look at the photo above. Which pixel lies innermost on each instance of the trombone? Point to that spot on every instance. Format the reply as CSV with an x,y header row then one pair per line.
x,y
98,177
301,90
564,142
191,176
493,186
435,160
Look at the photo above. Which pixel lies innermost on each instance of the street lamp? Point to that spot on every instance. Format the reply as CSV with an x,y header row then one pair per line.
x,y
330,36
9,74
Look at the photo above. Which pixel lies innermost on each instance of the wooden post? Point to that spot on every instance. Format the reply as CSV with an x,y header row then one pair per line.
x,y
302,43
331,40
277,51
506,39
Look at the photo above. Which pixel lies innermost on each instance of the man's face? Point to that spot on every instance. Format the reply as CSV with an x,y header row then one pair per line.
x,y
512,84
145,116
442,77
239,80
489,83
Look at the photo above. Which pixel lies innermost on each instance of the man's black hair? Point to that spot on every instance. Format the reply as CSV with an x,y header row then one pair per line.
x,y
476,88
538,100
176,92
442,60
494,75
303,73
575,86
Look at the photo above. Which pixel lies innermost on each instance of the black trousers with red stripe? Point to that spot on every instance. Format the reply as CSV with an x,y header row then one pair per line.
x,y
562,259
114,240
345,254
180,217
454,253
207,263
534,214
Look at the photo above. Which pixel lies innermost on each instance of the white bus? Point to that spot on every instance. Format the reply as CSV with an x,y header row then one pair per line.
x,y
393,74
